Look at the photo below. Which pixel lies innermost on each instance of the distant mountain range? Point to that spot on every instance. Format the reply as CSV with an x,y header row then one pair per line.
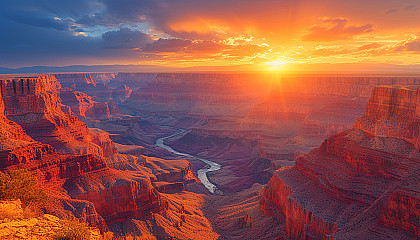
x,y
323,67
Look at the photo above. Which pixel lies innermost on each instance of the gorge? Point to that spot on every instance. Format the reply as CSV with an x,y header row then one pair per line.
x,y
220,155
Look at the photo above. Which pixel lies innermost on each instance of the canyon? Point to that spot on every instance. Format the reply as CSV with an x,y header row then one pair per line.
x,y
292,156
360,183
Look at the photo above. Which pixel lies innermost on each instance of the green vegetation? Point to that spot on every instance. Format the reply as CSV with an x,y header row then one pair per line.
x,y
21,184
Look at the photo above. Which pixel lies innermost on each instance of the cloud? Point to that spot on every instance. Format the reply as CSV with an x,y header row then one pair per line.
x,y
126,38
411,45
406,8
369,46
336,29
61,32
167,45
201,19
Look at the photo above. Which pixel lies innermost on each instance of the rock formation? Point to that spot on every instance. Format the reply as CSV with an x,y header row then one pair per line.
x,y
80,186
94,85
32,103
361,183
393,111
84,106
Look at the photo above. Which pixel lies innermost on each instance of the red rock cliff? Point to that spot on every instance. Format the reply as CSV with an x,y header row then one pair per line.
x,y
85,107
117,197
393,111
31,103
331,191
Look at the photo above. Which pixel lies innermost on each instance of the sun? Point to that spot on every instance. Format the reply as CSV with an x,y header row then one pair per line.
x,y
278,65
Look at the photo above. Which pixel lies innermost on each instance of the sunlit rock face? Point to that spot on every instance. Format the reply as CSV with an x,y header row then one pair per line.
x,y
71,180
117,195
82,185
357,184
33,104
393,111
18,151
84,106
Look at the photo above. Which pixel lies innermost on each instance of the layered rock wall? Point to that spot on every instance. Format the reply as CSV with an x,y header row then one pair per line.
x,y
300,223
134,199
32,103
332,188
393,111
402,210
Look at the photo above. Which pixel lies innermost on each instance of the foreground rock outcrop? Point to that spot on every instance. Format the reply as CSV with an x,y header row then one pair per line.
x,y
361,183
14,224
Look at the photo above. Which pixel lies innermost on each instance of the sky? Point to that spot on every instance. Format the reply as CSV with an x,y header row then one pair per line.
x,y
264,34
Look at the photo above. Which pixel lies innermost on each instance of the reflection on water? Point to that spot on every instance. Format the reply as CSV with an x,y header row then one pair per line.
x,y
202,173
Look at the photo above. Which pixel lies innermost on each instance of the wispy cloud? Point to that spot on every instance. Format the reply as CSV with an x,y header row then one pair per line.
x,y
406,8
335,29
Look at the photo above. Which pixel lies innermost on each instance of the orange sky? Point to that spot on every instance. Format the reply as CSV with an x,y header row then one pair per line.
x,y
266,34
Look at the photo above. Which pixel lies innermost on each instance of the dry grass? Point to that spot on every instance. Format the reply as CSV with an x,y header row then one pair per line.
x,y
73,230
142,237
108,236
30,211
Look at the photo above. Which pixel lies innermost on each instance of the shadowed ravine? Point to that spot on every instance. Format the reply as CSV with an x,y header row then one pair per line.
x,y
201,173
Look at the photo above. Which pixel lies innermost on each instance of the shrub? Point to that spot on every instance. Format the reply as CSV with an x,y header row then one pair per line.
x,y
141,237
73,230
21,184
134,237
108,236
30,211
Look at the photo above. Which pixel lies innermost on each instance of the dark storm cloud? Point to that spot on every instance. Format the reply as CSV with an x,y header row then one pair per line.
x,y
39,21
45,32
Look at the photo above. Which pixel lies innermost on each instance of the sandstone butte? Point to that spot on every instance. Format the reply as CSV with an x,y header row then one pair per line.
x,y
82,185
362,183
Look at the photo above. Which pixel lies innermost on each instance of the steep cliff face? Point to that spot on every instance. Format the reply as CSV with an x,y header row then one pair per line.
x,y
393,111
116,195
356,184
102,193
80,186
77,81
402,209
300,221
94,85
101,138
331,185
11,134
31,103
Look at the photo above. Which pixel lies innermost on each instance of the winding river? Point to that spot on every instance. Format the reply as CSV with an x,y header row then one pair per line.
x,y
201,173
